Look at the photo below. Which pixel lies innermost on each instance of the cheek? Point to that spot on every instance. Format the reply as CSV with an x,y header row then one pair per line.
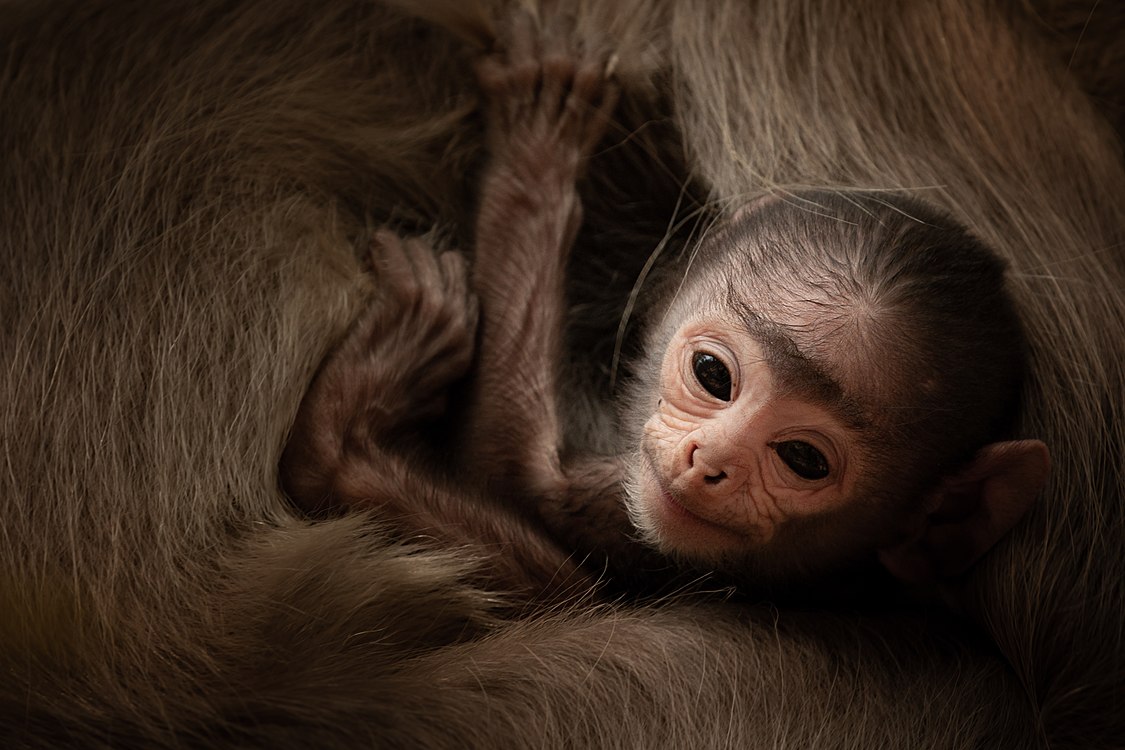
x,y
668,426
677,402
794,504
798,500
638,485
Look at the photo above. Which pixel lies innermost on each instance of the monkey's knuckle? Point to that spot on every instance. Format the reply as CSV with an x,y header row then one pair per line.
x,y
452,258
424,258
410,292
467,324
456,293
384,241
385,255
456,269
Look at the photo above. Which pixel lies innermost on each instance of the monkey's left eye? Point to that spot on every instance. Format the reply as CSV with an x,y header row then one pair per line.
x,y
712,374
805,461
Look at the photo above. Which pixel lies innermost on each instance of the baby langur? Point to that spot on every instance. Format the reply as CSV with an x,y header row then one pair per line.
x,y
831,379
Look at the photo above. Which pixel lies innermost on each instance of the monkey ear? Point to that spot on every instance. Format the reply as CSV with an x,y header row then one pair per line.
x,y
971,511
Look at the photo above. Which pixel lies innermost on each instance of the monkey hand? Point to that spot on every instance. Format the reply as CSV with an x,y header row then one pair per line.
x,y
388,377
550,95
421,335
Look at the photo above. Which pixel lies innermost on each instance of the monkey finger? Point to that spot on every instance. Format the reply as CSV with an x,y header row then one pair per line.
x,y
522,37
524,60
601,115
587,121
591,80
455,270
510,89
611,67
427,269
492,72
560,53
389,260
454,355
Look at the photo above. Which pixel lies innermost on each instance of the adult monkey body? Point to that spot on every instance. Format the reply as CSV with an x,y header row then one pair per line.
x,y
159,258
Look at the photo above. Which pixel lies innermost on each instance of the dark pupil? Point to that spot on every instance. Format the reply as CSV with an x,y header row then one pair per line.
x,y
805,461
712,374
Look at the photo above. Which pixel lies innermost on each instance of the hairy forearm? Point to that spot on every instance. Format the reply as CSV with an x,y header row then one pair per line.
x,y
583,510
512,553
523,235
585,513
546,106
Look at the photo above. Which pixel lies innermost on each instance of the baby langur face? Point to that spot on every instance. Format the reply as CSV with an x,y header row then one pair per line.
x,y
728,460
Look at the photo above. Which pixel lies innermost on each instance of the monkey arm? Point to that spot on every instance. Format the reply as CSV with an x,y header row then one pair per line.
x,y
546,108
587,513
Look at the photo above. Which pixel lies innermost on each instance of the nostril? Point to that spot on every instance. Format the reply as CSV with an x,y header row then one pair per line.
x,y
716,478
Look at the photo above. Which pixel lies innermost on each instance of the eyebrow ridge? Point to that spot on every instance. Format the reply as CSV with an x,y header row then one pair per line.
x,y
797,371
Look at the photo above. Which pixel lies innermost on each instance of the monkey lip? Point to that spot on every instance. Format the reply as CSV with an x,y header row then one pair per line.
x,y
678,507
681,513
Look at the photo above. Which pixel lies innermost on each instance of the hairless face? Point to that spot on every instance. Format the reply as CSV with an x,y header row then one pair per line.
x,y
730,451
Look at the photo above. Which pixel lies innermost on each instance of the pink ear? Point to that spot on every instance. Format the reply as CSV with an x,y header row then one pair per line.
x,y
971,511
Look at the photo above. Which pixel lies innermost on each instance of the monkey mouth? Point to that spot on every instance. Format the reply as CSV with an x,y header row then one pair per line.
x,y
678,507
671,505
684,514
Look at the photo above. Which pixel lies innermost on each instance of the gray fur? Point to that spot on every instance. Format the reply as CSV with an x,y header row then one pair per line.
x,y
182,191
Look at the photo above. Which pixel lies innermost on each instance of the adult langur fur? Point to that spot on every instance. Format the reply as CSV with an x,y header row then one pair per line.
x,y
183,190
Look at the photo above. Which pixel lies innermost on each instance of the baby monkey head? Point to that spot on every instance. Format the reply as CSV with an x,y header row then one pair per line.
x,y
834,380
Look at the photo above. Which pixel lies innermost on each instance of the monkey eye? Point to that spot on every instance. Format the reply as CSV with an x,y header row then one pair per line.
x,y
806,461
712,374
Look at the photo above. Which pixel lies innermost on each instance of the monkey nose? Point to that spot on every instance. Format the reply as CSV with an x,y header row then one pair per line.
x,y
700,469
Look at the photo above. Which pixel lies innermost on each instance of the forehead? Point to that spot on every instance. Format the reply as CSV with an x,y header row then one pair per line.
x,y
797,370
813,335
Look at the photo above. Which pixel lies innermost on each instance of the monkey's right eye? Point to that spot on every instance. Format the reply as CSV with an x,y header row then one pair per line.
x,y
712,374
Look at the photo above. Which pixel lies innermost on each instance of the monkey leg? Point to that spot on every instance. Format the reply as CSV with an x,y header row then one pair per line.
x,y
549,98
386,379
